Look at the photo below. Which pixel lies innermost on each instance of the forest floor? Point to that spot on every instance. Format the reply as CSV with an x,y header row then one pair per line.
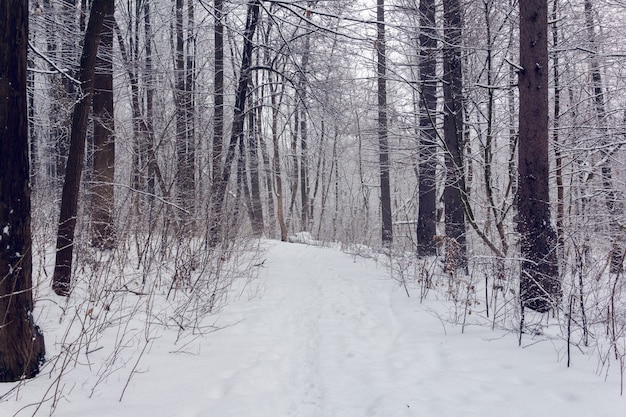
x,y
321,333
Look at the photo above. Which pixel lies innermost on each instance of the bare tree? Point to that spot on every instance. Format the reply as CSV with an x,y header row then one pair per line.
x,y
102,227
453,131
540,287
22,346
218,89
383,140
427,214
612,198
183,93
61,280
220,184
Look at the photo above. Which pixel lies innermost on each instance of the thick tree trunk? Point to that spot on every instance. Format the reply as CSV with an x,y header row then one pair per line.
x,y
22,346
383,140
453,134
540,288
61,280
427,210
102,207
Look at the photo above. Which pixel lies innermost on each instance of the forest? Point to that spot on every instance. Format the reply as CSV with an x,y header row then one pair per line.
x,y
149,144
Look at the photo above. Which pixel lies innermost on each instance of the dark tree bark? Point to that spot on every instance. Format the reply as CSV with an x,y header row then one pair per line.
x,y
61,280
427,210
102,207
383,141
220,184
540,288
453,133
22,346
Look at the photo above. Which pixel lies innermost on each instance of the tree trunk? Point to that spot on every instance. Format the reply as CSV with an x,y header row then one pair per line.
x,y
62,91
280,207
295,184
612,201
68,90
271,229
22,346
540,288
148,81
453,134
427,210
304,164
556,142
61,280
102,207
184,152
190,105
220,184
218,91
383,141
255,186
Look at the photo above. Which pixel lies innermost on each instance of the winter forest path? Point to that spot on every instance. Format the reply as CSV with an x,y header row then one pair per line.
x,y
321,333
330,335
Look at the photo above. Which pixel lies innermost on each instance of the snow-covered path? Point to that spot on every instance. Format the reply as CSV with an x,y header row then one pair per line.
x,y
323,334
333,336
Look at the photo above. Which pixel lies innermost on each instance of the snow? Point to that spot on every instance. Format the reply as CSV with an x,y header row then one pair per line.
x,y
321,333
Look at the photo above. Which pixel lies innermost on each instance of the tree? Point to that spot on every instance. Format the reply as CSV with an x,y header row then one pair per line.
x,y
22,346
540,287
183,95
612,197
61,279
220,184
427,214
303,107
61,49
218,90
383,140
102,228
453,132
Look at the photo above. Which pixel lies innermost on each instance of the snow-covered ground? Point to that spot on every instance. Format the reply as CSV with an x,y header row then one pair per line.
x,y
324,334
